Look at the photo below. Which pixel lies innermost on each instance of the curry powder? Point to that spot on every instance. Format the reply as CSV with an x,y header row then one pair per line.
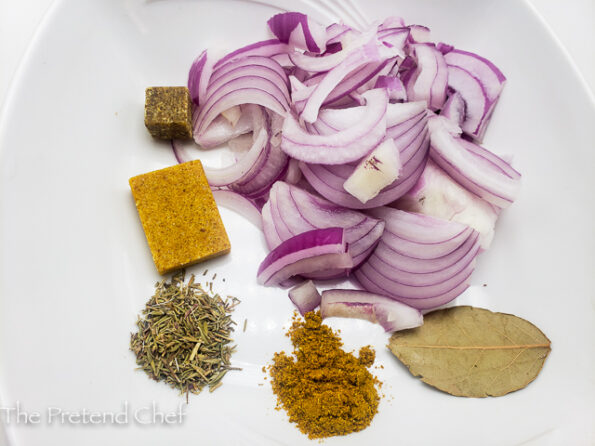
x,y
324,390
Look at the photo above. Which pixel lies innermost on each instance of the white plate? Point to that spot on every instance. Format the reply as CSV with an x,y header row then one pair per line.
x,y
75,269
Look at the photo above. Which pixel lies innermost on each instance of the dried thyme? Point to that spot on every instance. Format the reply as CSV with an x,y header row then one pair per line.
x,y
184,337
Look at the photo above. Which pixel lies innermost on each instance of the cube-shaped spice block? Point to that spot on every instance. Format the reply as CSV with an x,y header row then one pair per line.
x,y
168,112
179,216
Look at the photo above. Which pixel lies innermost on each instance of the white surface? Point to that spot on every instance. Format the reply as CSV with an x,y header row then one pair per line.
x,y
75,269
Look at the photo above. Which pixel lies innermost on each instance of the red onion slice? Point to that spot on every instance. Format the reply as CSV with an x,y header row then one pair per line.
x,y
390,314
454,109
221,131
488,74
341,147
479,171
299,31
309,252
428,82
413,147
271,235
293,211
369,53
230,174
305,296
239,204
438,195
394,86
244,90
442,257
266,48
198,77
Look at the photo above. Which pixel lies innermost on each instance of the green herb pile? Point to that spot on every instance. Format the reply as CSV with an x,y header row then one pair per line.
x,y
184,335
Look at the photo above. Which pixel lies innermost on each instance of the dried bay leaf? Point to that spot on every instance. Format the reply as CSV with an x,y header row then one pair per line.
x,y
473,352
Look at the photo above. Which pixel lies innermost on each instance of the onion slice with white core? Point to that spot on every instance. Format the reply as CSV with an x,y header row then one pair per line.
x,y
292,211
305,296
413,146
240,204
374,172
475,168
388,313
429,80
309,252
454,109
343,146
439,256
438,195
299,31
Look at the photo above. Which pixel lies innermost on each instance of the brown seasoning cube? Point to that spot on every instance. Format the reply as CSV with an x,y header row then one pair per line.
x,y
168,112
179,216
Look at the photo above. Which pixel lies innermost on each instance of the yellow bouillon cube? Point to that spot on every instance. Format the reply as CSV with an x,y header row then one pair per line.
x,y
179,216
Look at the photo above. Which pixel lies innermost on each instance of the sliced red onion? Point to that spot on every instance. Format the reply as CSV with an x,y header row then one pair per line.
x,y
273,168
249,66
433,237
388,252
392,22
419,34
240,144
298,31
239,204
454,108
428,82
438,195
294,174
335,32
355,80
230,174
394,86
293,211
388,313
198,77
374,172
472,166
368,53
480,83
317,64
413,147
266,48
232,115
341,147
271,235
442,257
485,71
396,37
244,90
444,48
221,130
309,252
305,296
